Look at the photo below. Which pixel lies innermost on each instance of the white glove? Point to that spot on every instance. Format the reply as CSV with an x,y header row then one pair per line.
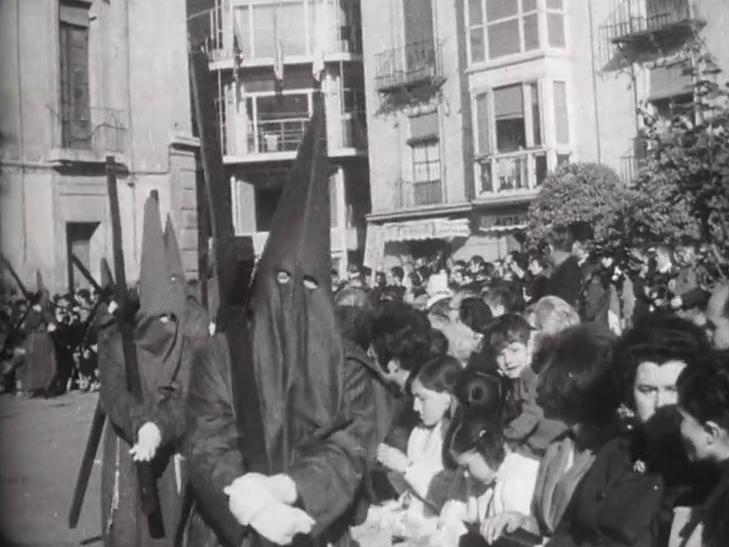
x,y
148,441
279,523
282,487
248,495
255,500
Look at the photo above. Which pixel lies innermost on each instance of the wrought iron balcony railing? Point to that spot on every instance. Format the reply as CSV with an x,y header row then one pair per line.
x,y
96,129
633,19
282,135
409,66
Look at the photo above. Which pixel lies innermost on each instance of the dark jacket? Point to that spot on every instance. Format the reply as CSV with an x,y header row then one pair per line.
x,y
615,505
566,282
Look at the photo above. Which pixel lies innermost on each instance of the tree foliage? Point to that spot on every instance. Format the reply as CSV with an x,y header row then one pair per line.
x,y
682,189
580,194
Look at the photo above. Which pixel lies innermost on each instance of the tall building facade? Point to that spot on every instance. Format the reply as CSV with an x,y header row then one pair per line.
x,y
268,58
472,103
80,80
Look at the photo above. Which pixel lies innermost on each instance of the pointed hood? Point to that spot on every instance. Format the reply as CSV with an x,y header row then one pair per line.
x,y
161,293
154,294
297,347
107,278
175,270
39,285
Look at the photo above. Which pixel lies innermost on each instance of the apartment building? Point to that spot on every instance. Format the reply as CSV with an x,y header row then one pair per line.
x,y
472,103
268,58
80,80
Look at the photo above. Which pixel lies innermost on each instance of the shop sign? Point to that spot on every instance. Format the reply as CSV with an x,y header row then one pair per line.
x,y
426,229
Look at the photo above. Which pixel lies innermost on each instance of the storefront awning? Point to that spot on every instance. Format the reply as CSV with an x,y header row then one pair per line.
x,y
437,228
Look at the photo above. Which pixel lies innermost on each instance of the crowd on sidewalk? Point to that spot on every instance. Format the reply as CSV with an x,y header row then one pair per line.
x,y
48,343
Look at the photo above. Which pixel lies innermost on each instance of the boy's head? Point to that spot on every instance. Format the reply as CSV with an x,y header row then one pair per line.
x,y
500,300
509,338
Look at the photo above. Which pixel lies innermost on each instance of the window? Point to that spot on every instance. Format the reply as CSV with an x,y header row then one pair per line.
x,y
276,123
425,146
498,28
74,72
427,187
426,161
514,149
258,25
517,118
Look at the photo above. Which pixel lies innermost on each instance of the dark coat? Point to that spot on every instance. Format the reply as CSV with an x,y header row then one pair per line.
x,y
615,505
327,473
566,282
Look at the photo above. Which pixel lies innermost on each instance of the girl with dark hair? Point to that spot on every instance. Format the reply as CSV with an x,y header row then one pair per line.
x,y
432,388
703,399
627,496
498,480
574,387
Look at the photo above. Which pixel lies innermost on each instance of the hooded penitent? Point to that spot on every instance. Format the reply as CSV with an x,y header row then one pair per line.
x,y
161,300
297,348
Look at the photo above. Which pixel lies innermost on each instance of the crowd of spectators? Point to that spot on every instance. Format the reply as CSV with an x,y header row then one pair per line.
x,y
548,399
48,345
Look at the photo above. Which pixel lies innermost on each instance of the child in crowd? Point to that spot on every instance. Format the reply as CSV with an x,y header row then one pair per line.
x,y
498,479
512,340
432,388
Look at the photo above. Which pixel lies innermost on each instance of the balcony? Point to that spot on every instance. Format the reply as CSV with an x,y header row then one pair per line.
x,y
409,194
282,135
408,67
513,174
651,23
223,38
87,134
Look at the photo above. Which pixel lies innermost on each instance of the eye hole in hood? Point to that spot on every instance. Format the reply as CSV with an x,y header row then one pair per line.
x,y
283,277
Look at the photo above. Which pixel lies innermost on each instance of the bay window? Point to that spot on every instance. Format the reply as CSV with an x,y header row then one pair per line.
x,y
514,148
499,28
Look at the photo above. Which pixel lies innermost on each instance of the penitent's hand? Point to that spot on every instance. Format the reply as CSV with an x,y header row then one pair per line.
x,y
148,441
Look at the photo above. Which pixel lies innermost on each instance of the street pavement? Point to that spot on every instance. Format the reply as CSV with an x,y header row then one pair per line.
x,y
41,444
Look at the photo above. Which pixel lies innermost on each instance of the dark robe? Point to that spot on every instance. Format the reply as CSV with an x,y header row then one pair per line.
x,y
164,384
39,363
328,472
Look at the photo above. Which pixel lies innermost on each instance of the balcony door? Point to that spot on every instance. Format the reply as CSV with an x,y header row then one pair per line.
x,y
419,36
75,112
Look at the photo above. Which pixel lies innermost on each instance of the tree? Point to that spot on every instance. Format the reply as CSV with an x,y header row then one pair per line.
x,y
587,194
682,188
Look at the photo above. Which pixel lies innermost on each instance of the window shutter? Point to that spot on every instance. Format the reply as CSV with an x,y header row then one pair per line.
x,y
509,102
73,15
482,124
423,128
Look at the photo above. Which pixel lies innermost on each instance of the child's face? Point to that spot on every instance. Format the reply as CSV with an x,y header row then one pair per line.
x,y
512,359
430,405
476,466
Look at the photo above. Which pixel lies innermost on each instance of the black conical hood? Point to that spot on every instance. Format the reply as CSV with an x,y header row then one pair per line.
x,y
297,349
299,239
